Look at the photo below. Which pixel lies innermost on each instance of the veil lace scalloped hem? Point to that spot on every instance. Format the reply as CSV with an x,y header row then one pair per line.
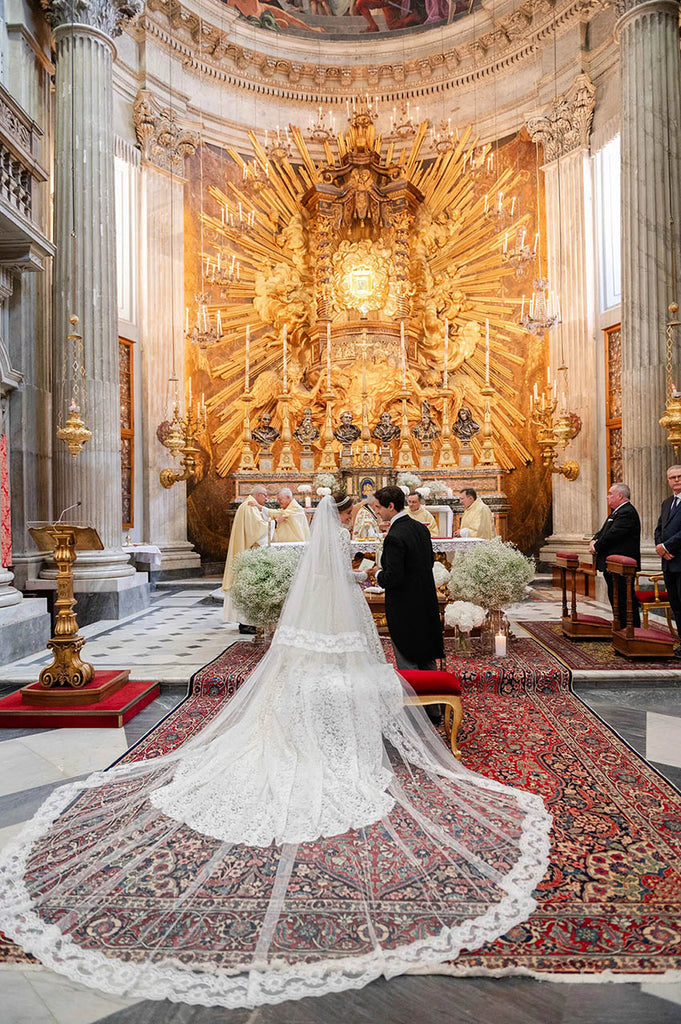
x,y
316,835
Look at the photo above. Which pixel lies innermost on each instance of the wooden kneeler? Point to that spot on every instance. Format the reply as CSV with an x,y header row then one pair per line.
x,y
438,688
635,642
584,627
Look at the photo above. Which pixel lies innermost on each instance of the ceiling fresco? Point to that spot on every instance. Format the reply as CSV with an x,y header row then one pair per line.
x,y
349,18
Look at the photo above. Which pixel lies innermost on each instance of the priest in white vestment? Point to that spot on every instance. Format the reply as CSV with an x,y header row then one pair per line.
x,y
292,524
249,530
477,519
420,513
366,525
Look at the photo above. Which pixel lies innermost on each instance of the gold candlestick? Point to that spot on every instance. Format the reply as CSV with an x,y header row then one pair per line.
x,y
406,457
247,464
286,463
487,455
447,458
328,459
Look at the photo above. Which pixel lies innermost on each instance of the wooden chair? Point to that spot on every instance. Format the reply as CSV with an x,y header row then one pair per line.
x,y
654,596
635,642
578,626
439,688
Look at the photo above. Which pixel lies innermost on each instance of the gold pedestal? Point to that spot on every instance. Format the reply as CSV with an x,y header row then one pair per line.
x,y
286,463
247,464
487,454
405,458
328,459
447,458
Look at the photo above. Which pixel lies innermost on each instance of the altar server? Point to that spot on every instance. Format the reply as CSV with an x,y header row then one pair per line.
x,y
477,519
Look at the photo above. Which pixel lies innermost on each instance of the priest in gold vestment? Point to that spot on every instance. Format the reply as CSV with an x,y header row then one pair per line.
x,y
420,513
292,524
249,530
477,519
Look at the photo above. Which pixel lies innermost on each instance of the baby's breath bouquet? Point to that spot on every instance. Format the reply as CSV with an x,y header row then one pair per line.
x,y
438,488
492,575
410,480
329,480
262,578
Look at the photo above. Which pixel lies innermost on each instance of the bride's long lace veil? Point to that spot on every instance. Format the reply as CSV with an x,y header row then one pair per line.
x,y
313,835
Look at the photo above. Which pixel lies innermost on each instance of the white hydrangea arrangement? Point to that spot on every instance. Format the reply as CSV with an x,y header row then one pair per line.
x,y
492,575
304,489
409,480
327,480
440,574
464,615
439,489
262,578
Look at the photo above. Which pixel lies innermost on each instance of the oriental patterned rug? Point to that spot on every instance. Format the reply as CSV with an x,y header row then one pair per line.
x,y
611,900
590,655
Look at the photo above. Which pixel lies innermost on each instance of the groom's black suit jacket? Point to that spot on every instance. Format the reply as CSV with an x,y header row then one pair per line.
x,y
668,532
620,534
411,605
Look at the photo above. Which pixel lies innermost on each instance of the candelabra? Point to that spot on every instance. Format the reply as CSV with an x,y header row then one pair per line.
x,y
322,127
402,124
479,162
444,138
487,454
247,464
544,309
447,459
279,146
554,432
405,457
286,463
203,333
671,420
519,254
254,178
181,440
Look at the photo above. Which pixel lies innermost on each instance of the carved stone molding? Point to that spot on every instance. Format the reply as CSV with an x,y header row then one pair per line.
x,y
625,6
206,49
109,16
162,140
568,124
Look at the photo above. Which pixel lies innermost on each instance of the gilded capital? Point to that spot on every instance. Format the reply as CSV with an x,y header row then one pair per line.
x,y
163,141
109,16
567,126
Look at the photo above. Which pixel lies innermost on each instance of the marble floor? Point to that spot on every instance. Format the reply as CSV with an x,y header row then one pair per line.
x,y
180,632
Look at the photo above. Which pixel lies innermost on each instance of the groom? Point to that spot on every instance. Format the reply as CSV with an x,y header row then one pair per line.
x,y
406,575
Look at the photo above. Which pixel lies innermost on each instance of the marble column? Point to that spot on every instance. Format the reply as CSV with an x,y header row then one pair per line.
x,y
165,145
564,134
651,179
86,284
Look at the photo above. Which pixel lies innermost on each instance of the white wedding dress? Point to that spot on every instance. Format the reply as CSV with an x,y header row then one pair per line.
x,y
315,835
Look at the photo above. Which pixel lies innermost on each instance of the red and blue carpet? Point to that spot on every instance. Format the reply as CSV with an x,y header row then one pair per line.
x,y
611,901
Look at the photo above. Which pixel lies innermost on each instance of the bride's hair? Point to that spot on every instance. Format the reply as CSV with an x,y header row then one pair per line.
x,y
343,501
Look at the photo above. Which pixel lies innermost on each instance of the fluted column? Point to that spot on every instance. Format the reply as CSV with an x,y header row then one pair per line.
x,y
564,134
164,148
86,285
651,179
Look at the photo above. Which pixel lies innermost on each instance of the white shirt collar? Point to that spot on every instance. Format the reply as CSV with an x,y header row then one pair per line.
x,y
400,515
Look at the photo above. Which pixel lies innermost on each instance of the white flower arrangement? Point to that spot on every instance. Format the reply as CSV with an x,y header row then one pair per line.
x,y
410,480
262,578
492,575
304,489
439,489
405,490
323,491
450,492
464,615
423,491
328,480
440,574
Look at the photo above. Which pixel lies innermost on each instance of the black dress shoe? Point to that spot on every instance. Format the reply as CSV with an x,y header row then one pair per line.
x,y
249,630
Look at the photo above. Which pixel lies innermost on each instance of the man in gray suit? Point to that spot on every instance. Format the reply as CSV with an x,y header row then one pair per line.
x,y
668,545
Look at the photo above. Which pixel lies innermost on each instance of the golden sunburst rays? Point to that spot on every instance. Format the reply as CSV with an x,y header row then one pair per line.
x,y
456,247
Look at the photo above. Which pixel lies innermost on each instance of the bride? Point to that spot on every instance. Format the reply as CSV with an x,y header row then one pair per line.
x,y
315,835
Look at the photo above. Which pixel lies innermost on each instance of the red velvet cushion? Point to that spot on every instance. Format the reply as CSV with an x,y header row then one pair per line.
x,y
620,560
424,683
648,634
595,619
649,595
567,554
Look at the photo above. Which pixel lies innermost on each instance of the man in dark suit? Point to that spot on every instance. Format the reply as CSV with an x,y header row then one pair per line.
x,y
406,575
620,534
668,545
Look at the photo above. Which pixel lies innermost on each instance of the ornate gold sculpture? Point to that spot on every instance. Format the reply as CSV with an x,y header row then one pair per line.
x,y
181,440
671,420
552,433
74,433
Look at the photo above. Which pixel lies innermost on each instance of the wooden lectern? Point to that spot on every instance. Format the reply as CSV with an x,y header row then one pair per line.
x,y
65,540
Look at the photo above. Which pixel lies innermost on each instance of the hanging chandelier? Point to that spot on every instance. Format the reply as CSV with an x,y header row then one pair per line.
x,y
254,178
279,146
74,433
362,111
518,254
322,127
203,333
444,138
543,311
402,124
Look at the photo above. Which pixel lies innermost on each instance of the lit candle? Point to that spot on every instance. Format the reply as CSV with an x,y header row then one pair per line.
x,y
446,352
486,351
328,357
500,645
285,373
308,501
536,393
513,202
536,241
404,358
248,356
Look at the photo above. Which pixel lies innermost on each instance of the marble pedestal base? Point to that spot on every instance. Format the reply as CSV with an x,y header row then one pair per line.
x,y
97,599
25,629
